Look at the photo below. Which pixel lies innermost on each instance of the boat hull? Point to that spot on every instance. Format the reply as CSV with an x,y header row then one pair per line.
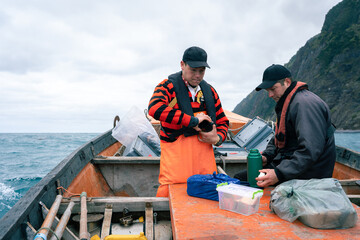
x,y
109,180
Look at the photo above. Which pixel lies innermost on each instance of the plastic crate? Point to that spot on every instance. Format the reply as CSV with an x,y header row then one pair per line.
x,y
240,199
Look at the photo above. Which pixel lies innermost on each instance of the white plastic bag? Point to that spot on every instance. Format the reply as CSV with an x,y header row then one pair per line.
x,y
318,203
130,126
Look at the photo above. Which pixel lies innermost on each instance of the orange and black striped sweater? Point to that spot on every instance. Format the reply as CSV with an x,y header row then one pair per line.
x,y
172,118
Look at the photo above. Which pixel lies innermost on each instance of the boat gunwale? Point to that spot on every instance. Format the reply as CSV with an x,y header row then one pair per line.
x,y
348,157
153,160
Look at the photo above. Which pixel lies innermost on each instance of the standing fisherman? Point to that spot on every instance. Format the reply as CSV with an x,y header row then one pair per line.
x,y
181,103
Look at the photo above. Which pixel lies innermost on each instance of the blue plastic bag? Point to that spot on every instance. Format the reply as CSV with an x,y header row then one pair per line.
x,y
204,186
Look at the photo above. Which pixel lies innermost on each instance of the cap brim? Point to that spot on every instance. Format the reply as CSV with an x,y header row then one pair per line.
x,y
195,64
265,85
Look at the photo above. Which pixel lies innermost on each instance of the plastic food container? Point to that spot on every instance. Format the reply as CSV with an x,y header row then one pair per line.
x,y
240,199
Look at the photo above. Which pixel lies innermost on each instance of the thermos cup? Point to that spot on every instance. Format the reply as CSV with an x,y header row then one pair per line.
x,y
206,126
254,164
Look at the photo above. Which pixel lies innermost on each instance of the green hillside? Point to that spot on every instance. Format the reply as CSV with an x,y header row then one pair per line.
x,y
330,64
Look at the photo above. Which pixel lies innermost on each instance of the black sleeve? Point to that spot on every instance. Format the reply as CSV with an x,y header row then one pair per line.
x,y
308,116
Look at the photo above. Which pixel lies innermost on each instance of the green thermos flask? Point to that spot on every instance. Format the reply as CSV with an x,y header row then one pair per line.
x,y
254,164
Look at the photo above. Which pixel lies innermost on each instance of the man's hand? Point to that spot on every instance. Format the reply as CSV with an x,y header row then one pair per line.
x,y
269,179
209,137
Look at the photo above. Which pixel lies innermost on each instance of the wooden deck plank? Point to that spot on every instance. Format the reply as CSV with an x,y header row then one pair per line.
x,y
149,213
105,229
197,218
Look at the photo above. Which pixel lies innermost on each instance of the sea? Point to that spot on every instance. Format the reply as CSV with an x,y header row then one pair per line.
x,y
25,158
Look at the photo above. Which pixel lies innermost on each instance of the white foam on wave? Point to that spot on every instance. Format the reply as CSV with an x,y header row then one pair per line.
x,y
8,193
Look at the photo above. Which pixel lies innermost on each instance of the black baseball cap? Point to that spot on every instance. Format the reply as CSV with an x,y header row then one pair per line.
x,y
273,74
196,57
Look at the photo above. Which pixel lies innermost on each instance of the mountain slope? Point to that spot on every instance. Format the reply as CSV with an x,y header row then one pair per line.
x,y
330,64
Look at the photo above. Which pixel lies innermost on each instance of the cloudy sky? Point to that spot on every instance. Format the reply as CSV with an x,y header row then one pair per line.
x,y
71,66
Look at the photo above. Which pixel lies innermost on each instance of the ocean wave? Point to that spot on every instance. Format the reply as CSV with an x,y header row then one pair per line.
x,y
4,207
8,193
27,158
22,184
27,179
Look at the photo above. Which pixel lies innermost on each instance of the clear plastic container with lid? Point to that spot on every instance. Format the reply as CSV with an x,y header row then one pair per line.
x,y
240,199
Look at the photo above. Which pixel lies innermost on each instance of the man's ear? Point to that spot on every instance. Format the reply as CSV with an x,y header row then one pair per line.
x,y
182,65
287,81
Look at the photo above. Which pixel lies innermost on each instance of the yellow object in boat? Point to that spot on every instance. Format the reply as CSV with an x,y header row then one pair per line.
x,y
141,236
95,237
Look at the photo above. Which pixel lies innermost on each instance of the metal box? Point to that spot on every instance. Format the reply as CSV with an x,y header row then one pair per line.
x,y
256,134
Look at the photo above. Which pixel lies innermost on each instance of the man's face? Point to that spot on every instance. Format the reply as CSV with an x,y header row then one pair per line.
x,y
277,90
192,75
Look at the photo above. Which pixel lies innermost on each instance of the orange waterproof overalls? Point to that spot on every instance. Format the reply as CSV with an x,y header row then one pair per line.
x,y
183,158
187,155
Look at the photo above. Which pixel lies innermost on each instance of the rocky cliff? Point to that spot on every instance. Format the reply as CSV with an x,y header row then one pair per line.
x,y
330,64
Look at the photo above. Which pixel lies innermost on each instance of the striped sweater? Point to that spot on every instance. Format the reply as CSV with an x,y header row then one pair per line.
x,y
172,119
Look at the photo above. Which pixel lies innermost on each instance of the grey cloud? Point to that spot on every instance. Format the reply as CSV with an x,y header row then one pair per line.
x,y
56,56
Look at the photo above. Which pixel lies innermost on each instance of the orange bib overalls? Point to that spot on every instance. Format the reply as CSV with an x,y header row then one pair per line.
x,y
183,158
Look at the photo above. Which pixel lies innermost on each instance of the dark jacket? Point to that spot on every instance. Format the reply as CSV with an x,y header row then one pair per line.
x,y
309,150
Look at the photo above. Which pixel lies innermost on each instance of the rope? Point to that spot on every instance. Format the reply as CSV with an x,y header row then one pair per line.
x,y
71,194
49,229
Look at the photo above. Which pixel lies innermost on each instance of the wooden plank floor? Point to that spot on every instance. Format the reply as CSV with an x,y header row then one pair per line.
x,y
200,219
